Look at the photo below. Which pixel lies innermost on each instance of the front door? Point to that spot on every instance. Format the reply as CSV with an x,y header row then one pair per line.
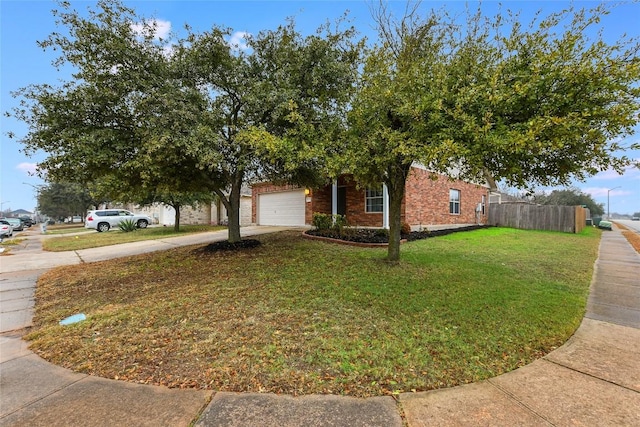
x,y
342,201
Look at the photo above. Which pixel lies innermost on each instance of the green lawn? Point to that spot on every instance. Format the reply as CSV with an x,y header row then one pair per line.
x,y
298,316
93,239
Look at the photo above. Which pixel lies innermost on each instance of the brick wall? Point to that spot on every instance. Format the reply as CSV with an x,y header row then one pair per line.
x,y
427,199
356,215
202,215
320,202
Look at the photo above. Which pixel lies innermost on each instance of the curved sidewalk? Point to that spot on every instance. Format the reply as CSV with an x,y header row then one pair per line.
x,y
594,379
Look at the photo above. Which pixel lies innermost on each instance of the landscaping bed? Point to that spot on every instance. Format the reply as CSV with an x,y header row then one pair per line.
x,y
381,236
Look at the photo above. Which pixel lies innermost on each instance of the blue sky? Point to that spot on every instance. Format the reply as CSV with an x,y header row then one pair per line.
x,y
23,22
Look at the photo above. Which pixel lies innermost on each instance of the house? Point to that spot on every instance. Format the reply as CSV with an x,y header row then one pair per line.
x,y
210,214
430,200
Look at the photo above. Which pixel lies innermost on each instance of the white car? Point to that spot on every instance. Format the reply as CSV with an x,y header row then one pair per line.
x,y
104,219
6,230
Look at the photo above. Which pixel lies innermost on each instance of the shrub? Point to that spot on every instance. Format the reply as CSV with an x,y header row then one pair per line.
x,y
321,221
382,232
339,223
127,225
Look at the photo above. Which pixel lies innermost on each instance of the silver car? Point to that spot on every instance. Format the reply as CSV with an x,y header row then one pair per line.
x,y
5,229
104,219
15,223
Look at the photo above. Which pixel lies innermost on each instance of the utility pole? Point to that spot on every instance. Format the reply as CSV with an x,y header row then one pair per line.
x,y
609,191
2,203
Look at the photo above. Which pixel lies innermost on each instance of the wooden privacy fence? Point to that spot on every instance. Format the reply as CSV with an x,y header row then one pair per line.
x,y
569,219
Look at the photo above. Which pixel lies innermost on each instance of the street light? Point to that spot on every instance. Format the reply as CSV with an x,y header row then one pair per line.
x,y
609,191
2,203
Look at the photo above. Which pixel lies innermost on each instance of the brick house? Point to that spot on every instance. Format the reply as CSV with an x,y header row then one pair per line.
x,y
427,202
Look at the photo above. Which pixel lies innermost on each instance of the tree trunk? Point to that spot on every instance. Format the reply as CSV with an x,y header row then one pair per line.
x,y
234,213
396,181
176,222
232,203
395,213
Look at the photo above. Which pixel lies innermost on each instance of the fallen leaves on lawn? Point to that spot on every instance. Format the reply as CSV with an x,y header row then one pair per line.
x,y
285,316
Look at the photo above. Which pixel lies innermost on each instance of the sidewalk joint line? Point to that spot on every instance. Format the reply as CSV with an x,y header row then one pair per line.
x,y
562,365
518,402
79,257
59,389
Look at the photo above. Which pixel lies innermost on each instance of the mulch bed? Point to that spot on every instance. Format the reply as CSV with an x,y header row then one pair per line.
x,y
373,235
354,235
225,245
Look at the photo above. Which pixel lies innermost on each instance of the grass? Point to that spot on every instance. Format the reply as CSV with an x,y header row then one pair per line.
x,y
113,237
299,317
64,229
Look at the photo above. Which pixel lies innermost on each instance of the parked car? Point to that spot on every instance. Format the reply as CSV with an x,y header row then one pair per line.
x,y
635,218
5,229
104,219
16,224
26,221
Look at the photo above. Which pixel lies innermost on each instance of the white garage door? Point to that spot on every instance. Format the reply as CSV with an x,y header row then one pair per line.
x,y
285,208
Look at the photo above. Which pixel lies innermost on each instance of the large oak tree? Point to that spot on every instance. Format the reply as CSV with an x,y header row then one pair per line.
x,y
491,99
186,117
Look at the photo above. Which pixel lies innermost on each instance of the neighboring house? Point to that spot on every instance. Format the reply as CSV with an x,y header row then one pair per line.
x,y
213,214
20,212
427,202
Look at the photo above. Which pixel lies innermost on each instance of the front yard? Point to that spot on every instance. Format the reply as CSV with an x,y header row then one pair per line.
x,y
298,316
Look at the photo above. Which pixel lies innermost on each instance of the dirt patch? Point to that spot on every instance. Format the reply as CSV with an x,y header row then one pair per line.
x,y
632,237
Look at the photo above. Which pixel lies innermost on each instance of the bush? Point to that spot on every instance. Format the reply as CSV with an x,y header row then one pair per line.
x,y
127,225
382,232
322,221
339,223
405,228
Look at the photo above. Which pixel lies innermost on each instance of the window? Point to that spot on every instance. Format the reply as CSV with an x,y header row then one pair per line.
x,y
484,201
373,201
454,202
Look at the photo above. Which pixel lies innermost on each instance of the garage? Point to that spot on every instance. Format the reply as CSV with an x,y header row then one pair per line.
x,y
282,208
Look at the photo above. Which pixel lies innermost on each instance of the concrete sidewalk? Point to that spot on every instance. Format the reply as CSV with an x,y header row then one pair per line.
x,y
594,379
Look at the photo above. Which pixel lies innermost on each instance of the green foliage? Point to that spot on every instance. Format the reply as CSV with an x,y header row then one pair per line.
x,y
571,196
382,232
127,225
491,99
205,119
64,199
340,223
321,221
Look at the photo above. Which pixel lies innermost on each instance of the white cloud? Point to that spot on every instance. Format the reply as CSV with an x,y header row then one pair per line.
x,y
603,192
607,175
630,171
162,28
237,41
28,168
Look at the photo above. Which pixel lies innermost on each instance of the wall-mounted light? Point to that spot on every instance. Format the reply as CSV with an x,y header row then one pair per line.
x,y
307,191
